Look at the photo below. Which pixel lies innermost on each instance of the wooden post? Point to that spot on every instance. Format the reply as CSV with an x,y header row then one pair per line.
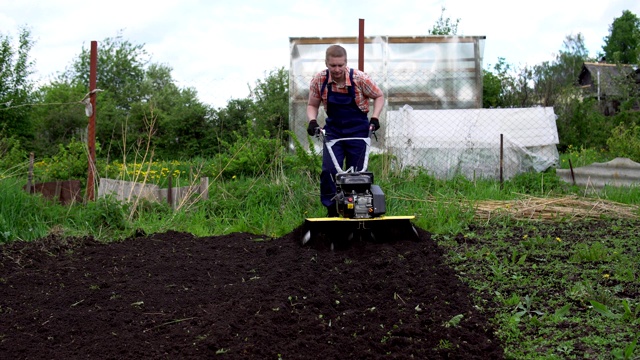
x,y
56,194
204,188
170,192
91,136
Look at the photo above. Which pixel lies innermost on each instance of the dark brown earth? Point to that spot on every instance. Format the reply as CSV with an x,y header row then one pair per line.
x,y
240,296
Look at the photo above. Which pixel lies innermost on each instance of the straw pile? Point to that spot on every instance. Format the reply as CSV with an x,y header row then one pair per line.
x,y
564,208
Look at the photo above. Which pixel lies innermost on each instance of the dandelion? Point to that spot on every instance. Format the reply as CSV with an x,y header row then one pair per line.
x,y
558,239
525,236
606,276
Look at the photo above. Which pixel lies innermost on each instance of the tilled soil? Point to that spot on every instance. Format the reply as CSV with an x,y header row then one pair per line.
x,y
238,296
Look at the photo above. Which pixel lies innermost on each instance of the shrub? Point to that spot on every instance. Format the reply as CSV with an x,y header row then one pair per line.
x,y
11,153
70,163
251,155
581,124
106,212
625,141
533,183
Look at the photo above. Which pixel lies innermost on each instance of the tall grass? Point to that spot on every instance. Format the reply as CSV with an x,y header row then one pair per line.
x,y
273,202
23,216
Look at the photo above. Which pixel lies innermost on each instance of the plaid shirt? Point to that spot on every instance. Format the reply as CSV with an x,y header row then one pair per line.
x,y
365,87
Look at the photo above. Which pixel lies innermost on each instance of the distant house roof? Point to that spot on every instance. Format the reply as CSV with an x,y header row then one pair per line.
x,y
602,77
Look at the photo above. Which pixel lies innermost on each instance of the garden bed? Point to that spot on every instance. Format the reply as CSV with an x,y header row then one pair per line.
x,y
242,296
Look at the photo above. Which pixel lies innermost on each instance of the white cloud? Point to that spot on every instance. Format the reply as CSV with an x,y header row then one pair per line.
x,y
218,47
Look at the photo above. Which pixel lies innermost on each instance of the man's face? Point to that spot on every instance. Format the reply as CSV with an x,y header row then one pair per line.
x,y
336,66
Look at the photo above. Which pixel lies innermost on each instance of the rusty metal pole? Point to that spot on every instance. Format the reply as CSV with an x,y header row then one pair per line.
x,y
573,175
361,45
91,136
501,160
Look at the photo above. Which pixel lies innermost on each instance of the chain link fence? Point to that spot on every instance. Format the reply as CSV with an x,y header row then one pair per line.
x,y
433,117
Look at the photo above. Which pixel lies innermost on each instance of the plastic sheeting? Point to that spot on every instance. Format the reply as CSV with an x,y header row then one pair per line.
x,y
426,72
467,142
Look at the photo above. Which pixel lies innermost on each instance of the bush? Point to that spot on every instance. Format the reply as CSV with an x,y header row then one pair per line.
x,y
308,161
534,183
625,142
252,155
580,124
581,156
12,155
70,163
106,212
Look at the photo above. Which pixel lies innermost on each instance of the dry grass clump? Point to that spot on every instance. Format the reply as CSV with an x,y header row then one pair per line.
x,y
564,208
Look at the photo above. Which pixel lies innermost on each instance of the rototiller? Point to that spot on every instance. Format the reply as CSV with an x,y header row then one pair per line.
x,y
360,203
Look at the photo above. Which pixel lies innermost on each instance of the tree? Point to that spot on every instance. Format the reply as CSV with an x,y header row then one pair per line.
x,y
505,87
271,103
491,90
540,84
120,75
180,121
622,45
550,78
570,59
230,122
139,102
16,90
120,71
444,26
62,120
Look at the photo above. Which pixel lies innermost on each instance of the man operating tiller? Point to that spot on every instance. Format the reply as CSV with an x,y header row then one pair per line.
x,y
345,93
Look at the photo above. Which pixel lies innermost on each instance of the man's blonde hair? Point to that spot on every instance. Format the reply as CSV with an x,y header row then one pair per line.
x,y
336,51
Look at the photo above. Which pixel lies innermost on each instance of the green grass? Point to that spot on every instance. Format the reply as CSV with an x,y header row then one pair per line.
x,y
558,290
578,157
22,216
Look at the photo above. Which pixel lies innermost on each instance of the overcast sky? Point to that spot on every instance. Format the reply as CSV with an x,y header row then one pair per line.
x,y
220,47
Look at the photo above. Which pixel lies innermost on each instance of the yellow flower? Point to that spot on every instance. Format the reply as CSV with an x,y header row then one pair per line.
x,y
558,239
525,236
606,276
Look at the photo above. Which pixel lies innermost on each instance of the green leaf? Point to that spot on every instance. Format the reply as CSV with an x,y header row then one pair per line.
x,y
522,259
455,321
563,311
604,310
630,349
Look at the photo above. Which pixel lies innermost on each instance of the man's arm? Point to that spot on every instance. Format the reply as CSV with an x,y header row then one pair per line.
x,y
378,104
312,108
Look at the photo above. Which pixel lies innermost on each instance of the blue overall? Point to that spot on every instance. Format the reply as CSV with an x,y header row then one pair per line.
x,y
344,119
